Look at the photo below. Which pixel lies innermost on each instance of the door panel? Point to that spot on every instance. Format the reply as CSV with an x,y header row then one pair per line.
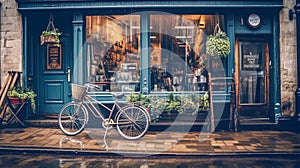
x,y
54,91
253,77
54,87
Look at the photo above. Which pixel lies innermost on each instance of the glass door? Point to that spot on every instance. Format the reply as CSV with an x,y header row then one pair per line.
x,y
253,78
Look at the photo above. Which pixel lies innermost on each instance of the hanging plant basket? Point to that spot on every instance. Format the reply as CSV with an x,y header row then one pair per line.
x,y
49,39
51,34
218,45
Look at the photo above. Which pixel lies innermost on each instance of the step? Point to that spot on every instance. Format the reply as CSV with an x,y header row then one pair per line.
x,y
257,124
44,123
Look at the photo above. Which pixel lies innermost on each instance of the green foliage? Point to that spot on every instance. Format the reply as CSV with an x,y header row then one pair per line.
x,y
204,102
54,33
23,93
218,45
190,103
139,98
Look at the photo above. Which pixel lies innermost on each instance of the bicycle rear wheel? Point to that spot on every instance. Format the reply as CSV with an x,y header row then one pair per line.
x,y
72,119
132,122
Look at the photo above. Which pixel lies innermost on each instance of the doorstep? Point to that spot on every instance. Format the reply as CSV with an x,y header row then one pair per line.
x,y
257,124
44,123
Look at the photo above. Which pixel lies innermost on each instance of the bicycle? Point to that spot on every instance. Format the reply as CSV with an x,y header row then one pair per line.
x,y
132,121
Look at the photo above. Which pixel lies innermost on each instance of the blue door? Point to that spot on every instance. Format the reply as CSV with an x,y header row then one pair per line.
x,y
54,75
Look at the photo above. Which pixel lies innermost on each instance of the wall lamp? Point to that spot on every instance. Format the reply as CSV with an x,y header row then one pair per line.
x,y
291,14
201,22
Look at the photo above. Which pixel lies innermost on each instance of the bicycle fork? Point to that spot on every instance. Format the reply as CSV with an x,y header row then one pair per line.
x,y
109,118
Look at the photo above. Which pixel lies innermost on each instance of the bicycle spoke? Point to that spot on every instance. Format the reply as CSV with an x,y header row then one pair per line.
x,y
75,119
132,123
77,124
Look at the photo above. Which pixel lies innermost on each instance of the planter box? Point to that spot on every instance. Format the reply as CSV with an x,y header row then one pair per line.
x,y
168,117
16,100
188,117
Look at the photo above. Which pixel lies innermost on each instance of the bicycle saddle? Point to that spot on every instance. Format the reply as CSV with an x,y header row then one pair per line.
x,y
118,95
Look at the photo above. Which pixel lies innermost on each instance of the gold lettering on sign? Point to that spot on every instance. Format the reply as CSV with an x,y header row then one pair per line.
x,y
54,57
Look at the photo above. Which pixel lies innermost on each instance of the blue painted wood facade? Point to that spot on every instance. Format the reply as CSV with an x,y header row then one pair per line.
x,y
37,11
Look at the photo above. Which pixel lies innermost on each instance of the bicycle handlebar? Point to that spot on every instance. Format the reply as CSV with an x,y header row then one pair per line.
x,y
89,85
116,95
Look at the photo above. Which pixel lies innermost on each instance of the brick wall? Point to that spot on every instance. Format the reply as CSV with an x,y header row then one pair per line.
x,y
11,38
288,59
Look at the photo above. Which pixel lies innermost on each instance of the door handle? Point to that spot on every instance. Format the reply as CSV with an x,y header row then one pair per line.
x,y
29,77
69,74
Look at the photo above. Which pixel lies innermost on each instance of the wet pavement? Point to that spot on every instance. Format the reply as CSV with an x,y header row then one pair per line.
x,y
64,161
155,143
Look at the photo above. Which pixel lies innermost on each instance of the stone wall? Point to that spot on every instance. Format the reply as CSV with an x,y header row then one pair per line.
x,y
11,38
288,59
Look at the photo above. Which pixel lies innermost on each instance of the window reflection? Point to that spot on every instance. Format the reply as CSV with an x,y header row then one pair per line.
x,y
252,75
178,56
113,56
177,52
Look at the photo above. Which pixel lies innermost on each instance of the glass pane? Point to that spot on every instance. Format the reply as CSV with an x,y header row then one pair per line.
x,y
113,56
178,57
252,77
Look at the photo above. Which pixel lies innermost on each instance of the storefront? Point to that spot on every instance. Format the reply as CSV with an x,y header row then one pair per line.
x,y
154,47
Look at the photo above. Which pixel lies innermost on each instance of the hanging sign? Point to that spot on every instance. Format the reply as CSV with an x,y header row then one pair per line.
x,y
251,61
54,57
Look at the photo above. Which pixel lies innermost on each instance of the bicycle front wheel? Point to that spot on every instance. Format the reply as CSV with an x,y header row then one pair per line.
x,y
132,122
72,119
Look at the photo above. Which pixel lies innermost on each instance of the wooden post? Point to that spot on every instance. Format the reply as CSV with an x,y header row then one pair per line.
x,y
5,89
4,84
2,112
212,115
232,105
15,77
10,82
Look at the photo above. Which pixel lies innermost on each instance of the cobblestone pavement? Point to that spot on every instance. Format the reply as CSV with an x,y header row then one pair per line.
x,y
174,143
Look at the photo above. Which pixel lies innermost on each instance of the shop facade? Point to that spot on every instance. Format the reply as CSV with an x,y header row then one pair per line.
x,y
154,48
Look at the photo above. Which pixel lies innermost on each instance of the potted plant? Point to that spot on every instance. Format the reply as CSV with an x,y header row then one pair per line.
x,y
218,44
172,105
19,94
50,36
204,102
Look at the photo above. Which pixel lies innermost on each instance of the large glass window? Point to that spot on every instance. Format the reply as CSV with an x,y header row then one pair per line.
x,y
113,56
178,57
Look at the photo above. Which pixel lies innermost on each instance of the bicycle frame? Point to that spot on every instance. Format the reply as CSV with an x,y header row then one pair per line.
x,y
131,120
88,103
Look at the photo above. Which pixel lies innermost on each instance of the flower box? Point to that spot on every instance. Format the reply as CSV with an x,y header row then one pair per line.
x,y
16,100
19,95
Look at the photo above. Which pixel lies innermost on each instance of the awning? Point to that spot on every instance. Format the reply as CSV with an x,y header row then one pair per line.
x,y
26,5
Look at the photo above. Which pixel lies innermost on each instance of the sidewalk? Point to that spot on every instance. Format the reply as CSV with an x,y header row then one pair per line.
x,y
90,141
